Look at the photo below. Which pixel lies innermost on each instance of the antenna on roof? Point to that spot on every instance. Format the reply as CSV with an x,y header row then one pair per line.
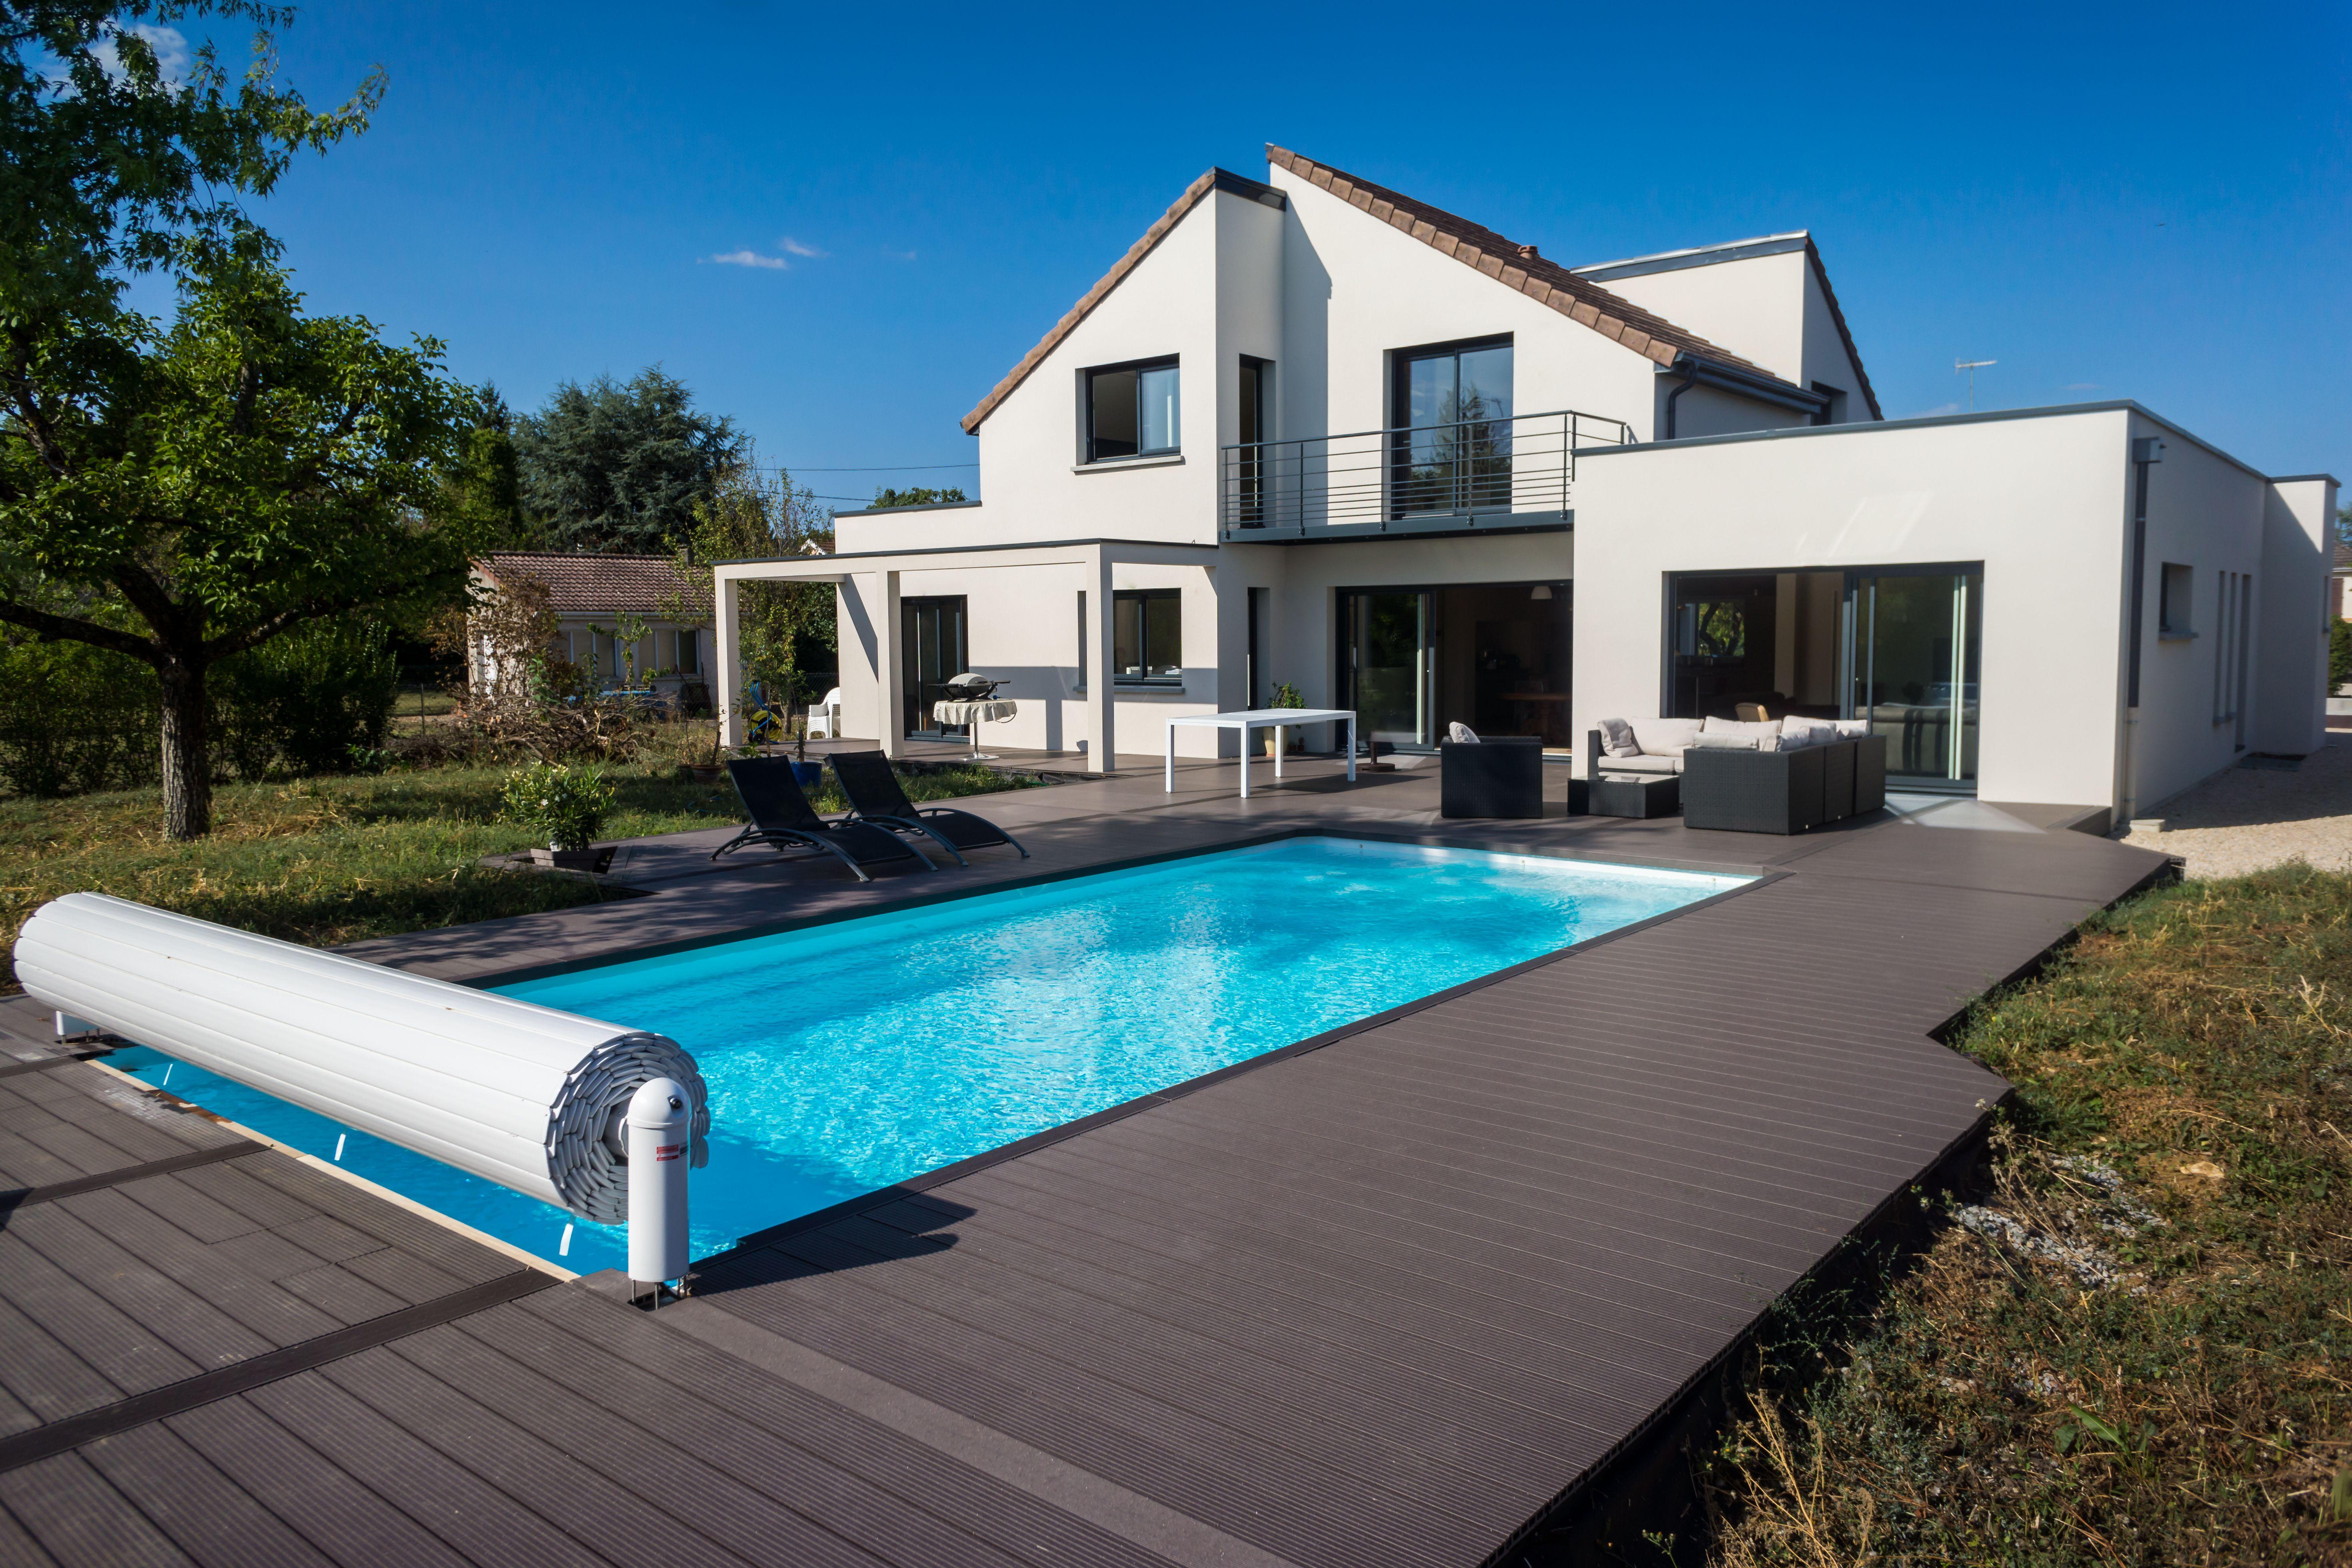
x,y
1972,366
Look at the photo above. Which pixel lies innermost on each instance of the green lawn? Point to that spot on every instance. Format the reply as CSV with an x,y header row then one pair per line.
x,y
337,859
2135,1351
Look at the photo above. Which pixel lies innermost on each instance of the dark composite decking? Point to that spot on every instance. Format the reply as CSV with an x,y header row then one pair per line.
x,y
1381,1301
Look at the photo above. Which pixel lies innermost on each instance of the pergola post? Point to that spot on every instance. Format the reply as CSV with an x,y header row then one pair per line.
x,y
1102,756
726,671
889,654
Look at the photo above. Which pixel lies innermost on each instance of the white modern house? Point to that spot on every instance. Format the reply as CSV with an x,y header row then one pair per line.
x,y
1311,431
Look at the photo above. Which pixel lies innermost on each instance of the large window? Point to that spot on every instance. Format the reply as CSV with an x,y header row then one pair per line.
x,y
1132,411
1146,635
1453,454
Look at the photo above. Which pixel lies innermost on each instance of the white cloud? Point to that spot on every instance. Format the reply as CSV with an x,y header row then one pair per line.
x,y
168,44
797,248
750,258
898,255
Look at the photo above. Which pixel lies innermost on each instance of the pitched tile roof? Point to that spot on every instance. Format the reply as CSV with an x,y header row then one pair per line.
x,y
601,585
1214,179
1515,266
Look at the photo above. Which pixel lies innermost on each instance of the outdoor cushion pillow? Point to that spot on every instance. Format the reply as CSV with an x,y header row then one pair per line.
x,y
1460,734
1806,731
1617,739
1850,728
1723,741
1663,737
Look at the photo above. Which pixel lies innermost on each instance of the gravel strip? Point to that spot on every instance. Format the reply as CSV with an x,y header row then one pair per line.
x,y
2250,818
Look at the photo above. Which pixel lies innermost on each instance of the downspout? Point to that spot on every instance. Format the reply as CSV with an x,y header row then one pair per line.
x,y
2147,451
1690,379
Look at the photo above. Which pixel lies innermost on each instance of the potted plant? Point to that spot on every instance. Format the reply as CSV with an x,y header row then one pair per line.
x,y
1285,695
563,804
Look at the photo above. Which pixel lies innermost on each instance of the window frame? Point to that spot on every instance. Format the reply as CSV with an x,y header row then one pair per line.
x,y
1087,455
1140,598
2176,622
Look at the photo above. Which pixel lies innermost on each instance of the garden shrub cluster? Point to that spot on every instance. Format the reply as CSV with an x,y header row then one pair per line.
x,y
75,720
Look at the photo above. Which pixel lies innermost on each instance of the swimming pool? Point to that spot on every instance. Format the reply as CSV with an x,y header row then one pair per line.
x,y
847,1057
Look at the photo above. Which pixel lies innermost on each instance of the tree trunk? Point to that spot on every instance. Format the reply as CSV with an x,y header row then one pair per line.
x,y
187,753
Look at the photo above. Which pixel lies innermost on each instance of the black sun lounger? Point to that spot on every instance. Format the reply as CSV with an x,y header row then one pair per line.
x,y
782,818
875,796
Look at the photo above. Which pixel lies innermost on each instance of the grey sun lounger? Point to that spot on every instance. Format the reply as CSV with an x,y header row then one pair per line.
x,y
781,818
875,796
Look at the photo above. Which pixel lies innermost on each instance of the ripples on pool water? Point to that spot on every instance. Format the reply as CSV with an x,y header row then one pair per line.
x,y
847,1057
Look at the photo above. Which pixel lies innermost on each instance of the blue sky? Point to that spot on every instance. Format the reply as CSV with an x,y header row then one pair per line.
x,y
2111,201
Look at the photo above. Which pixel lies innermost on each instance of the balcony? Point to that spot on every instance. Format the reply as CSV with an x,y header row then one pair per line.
x,y
1476,476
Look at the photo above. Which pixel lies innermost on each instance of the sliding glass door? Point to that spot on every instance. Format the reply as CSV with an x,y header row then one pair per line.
x,y
1914,643
1388,640
932,655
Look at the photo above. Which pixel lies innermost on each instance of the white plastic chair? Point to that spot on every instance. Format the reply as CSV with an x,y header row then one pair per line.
x,y
825,718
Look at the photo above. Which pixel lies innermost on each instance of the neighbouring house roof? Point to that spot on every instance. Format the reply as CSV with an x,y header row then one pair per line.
x,y
601,585
1513,265
1741,250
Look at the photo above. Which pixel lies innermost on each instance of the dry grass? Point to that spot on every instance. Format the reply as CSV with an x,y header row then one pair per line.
x,y
2134,1349
331,861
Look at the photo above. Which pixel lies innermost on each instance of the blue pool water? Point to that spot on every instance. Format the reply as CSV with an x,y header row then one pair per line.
x,y
847,1057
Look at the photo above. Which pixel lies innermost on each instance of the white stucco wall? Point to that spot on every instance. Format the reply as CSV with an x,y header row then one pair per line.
x,y
2043,502
2040,502
2291,672
2206,513
1755,307
1827,362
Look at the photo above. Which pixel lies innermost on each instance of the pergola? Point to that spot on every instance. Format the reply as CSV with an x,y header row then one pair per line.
x,y
1093,563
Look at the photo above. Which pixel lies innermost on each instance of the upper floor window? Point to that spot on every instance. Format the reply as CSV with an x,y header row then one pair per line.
x,y
1132,411
1453,454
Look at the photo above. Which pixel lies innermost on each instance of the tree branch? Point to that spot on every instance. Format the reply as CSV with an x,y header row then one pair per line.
x,y
314,609
71,628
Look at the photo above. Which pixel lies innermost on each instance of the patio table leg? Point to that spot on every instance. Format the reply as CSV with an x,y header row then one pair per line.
x,y
1171,760
1351,748
1244,762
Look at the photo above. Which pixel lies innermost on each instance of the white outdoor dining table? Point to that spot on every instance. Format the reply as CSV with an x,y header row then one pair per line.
x,y
1250,719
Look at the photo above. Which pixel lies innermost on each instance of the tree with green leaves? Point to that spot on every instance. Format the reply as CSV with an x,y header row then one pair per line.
x,y
756,513
483,492
616,469
183,494
917,495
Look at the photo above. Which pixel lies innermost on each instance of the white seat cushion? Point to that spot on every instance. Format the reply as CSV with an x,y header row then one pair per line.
x,y
1617,739
1663,737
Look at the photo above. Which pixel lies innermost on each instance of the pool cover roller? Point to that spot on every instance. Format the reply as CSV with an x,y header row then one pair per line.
x,y
523,1094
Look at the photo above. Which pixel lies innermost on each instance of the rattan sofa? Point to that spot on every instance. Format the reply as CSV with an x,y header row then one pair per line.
x,y
1787,789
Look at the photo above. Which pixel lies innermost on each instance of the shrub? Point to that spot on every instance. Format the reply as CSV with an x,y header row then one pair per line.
x,y
75,719
565,805
309,702
2339,655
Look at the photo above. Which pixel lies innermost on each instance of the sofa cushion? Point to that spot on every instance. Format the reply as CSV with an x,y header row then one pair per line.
x,y
1643,763
1849,729
1663,737
1758,729
1723,741
1805,731
1617,739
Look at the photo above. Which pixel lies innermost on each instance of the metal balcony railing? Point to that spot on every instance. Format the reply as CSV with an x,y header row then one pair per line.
x,y
1412,478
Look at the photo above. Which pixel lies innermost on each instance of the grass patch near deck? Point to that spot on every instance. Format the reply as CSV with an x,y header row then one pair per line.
x,y
328,861
2134,1349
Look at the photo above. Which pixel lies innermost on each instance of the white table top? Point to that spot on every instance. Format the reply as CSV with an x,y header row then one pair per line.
x,y
1249,717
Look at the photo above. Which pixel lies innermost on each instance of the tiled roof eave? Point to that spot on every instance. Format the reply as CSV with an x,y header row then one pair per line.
x,y
1517,267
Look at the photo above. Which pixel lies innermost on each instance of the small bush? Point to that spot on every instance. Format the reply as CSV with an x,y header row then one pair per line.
x,y
2340,654
308,702
565,805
